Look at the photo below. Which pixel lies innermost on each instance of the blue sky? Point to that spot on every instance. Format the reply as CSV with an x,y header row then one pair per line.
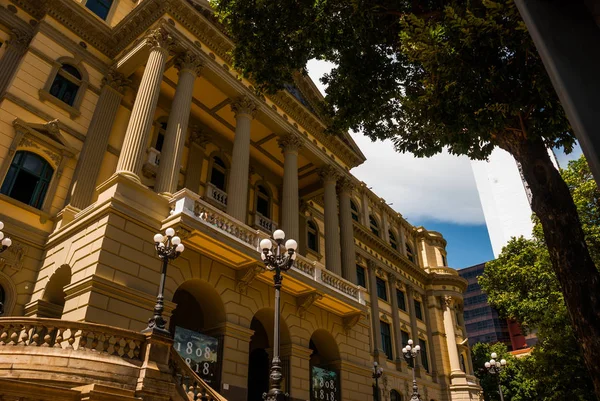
x,y
438,193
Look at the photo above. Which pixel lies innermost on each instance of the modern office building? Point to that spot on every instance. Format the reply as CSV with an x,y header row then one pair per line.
x,y
120,119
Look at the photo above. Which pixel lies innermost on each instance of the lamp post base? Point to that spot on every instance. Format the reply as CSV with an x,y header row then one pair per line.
x,y
275,395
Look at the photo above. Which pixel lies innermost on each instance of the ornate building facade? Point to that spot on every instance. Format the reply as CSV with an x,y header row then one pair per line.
x,y
122,118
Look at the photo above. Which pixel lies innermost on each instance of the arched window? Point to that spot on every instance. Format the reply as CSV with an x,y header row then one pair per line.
x,y
354,210
312,236
263,201
393,240
218,175
99,7
395,396
2,300
410,253
374,225
28,179
66,84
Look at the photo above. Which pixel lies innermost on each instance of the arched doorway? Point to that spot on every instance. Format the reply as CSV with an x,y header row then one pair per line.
x,y
54,294
197,327
260,353
324,367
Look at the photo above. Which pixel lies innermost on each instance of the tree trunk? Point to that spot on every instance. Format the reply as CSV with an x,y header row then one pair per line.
x,y
578,276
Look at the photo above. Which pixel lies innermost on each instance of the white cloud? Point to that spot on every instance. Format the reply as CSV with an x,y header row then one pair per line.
x,y
439,188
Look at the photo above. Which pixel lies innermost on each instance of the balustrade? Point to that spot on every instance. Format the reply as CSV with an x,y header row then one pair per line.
x,y
264,223
189,383
216,194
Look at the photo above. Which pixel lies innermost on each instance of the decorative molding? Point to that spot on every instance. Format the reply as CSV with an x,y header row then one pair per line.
x,y
290,142
244,105
346,185
245,277
19,39
329,173
199,136
116,80
189,61
160,38
384,318
348,322
303,302
13,257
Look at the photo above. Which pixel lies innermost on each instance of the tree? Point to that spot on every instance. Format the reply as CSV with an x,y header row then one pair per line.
x,y
522,286
430,75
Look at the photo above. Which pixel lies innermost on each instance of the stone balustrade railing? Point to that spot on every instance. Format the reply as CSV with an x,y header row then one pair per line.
x,y
189,203
79,336
264,223
216,194
442,270
190,384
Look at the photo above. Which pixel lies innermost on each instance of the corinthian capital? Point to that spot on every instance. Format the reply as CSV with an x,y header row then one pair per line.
x,y
19,39
115,80
345,185
189,61
244,105
448,301
289,142
329,173
160,38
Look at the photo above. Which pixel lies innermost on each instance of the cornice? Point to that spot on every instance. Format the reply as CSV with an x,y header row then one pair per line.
x,y
11,21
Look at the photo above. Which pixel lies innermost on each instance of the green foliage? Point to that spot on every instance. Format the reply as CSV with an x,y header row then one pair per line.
x,y
522,286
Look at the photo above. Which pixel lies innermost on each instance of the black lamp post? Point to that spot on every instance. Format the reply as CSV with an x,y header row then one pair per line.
x,y
494,368
410,356
169,248
6,242
377,373
277,258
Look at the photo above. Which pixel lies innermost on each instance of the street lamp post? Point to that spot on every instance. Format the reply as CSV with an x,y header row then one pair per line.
x,y
168,247
494,368
410,355
377,373
6,242
278,258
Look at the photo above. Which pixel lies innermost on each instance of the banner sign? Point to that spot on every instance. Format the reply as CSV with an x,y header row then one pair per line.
x,y
324,385
199,351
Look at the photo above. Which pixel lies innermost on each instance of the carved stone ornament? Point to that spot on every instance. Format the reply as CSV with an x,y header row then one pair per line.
x,y
329,173
448,301
346,186
13,257
199,136
245,278
244,105
189,61
160,38
290,142
371,264
384,318
116,80
305,301
392,279
350,321
19,39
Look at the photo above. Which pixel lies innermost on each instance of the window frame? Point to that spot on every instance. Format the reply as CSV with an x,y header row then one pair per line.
x,y
393,240
45,95
386,339
424,355
410,253
44,178
419,314
379,284
354,212
312,222
269,198
403,306
374,222
364,276
109,15
225,170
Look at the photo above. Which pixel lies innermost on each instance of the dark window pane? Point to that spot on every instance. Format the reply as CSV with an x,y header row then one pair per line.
x,y
360,276
71,70
381,289
99,7
395,396
217,178
219,162
312,237
64,90
9,180
418,311
27,179
262,206
354,211
374,225
160,140
33,164
401,300
424,356
386,340
405,338
2,295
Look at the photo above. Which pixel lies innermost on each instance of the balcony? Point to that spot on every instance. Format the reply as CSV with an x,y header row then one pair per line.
x,y
216,195
264,223
220,236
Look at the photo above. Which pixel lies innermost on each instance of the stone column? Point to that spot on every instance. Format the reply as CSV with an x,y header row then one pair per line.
x,y
385,227
395,318
329,176
237,187
447,303
347,231
131,158
365,207
290,144
377,348
167,177
193,171
431,348
16,47
96,140
414,330
402,240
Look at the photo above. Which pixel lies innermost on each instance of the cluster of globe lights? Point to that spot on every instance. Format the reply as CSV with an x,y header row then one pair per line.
x,y
175,241
6,242
266,245
493,363
409,347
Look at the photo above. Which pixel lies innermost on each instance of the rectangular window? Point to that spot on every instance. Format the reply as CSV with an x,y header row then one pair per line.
x,y
381,289
360,276
405,338
418,310
99,7
386,339
424,356
401,299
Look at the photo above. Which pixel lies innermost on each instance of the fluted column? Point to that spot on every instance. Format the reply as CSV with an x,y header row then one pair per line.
x,y
347,231
329,177
402,241
377,348
432,351
447,303
16,47
395,317
290,144
193,171
414,330
131,158
167,177
96,140
237,187
365,208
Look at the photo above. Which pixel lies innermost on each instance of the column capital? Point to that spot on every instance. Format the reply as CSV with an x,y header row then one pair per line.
x,y
329,173
189,61
19,39
371,264
448,300
115,80
392,279
244,105
289,142
160,38
345,185
199,136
